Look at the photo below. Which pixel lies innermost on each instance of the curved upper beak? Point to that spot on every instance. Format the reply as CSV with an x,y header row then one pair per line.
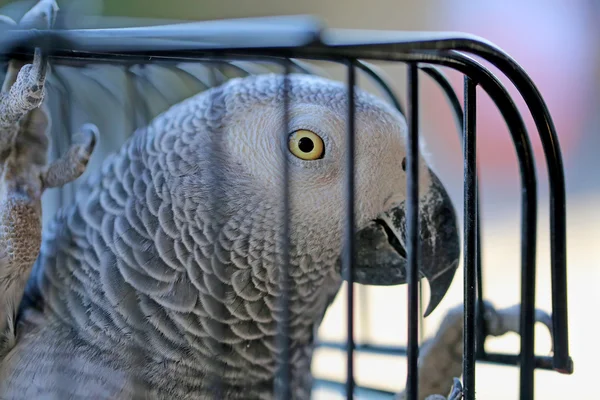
x,y
381,252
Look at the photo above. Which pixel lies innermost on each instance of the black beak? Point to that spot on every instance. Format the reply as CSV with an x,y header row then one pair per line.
x,y
381,253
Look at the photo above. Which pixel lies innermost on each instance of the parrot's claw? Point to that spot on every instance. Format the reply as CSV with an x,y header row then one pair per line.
x,y
457,390
38,73
73,163
26,82
440,358
456,393
25,94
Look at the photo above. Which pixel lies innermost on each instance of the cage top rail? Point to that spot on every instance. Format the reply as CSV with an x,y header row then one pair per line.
x,y
259,34
246,33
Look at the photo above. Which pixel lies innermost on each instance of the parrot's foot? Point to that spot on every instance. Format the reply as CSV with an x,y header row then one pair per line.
x,y
24,173
26,82
25,94
440,358
456,393
499,322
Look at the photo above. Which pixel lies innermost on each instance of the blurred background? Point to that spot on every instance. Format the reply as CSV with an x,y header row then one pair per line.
x,y
556,42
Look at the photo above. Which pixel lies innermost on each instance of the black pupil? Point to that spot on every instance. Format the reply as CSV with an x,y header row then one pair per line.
x,y
306,145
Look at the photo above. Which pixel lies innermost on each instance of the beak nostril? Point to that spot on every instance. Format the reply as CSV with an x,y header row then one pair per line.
x,y
404,164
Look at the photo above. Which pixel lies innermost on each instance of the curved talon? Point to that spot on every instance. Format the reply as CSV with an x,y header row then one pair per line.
x,y
457,390
40,16
73,163
39,67
88,137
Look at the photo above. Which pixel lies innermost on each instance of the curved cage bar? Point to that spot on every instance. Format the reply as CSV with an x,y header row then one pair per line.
x,y
289,42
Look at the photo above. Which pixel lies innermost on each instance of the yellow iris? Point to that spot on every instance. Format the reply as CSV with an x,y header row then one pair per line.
x,y
306,145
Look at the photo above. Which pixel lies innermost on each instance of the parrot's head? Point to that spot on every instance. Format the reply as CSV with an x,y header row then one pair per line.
x,y
248,147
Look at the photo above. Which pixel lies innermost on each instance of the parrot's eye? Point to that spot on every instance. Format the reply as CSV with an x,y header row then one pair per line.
x,y
306,145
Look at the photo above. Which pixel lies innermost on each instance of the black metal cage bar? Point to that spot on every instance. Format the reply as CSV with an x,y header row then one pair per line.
x,y
349,253
284,373
412,231
470,221
290,39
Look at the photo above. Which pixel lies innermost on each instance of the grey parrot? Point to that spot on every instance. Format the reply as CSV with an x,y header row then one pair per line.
x,y
161,279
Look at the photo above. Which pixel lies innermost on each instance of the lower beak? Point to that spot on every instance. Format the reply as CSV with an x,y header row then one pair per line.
x,y
381,252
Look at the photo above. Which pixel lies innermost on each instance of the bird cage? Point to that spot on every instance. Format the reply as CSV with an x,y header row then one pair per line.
x,y
289,44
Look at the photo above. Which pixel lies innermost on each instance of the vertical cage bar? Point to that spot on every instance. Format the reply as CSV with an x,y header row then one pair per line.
x,y
61,146
349,248
558,260
421,317
528,287
470,242
376,76
527,323
283,390
215,148
458,113
480,321
412,230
